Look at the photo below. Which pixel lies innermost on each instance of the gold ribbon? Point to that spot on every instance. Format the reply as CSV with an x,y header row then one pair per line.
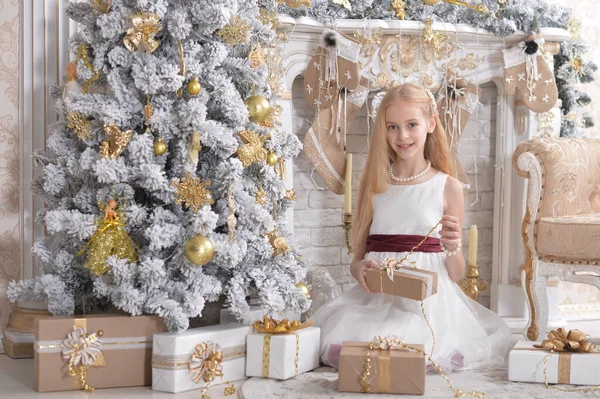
x,y
82,350
206,362
269,325
574,341
384,382
266,356
141,35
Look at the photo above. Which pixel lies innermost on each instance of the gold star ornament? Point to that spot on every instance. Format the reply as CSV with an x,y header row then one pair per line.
x,y
193,192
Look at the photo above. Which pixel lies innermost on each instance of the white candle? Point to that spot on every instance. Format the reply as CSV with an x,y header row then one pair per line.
x,y
473,245
348,185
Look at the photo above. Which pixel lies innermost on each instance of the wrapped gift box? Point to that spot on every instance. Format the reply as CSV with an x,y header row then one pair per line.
x,y
397,371
256,313
526,364
183,361
283,356
119,346
18,345
408,282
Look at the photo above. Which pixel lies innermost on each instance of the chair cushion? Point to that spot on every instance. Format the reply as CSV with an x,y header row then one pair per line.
x,y
574,237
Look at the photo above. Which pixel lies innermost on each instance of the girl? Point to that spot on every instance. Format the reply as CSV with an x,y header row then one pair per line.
x,y
404,192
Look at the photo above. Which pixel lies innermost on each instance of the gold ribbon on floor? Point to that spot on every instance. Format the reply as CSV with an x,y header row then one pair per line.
x,y
566,343
206,362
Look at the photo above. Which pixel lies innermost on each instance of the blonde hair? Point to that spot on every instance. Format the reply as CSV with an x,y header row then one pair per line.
x,y
375,177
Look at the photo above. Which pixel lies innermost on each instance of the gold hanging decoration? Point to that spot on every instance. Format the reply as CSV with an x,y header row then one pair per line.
x,y
261,196
148,112
115,142
267,17
237,31
253,150
80,125
399,7
231,219
480,8
431,38
101,6
141,35
274,118
83,55
110,239
257,56
577,65
296,3
279,244
193,192
280,168
574,28
290,194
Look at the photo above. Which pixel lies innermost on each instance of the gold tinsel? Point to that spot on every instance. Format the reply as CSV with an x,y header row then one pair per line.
x,y
195,148
280,168
237,31
279,244
193,192
116,141
257,56
253,151
80,125
101,6
267,17
141,35
261,197
274,117
231,219
399,6
110,239
148,112
83,55
577,65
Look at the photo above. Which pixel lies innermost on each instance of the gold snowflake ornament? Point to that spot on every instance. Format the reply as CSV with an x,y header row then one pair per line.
x,y
237,31
193,192
267,17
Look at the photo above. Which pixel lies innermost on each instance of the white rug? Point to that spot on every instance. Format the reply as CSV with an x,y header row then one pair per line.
x,y
322,383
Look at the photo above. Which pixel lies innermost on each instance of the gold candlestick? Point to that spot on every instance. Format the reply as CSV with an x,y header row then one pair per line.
x,y
471,284
347,226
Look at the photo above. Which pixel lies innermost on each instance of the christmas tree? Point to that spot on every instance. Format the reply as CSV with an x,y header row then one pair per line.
x,y
162,177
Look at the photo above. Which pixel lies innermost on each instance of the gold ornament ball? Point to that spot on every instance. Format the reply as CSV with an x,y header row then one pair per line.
x,y
272,158
431,2
199,250
258,108
159,147
193,87
304,289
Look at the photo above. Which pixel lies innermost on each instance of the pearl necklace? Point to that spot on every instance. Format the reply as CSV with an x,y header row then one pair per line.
x,y
410,178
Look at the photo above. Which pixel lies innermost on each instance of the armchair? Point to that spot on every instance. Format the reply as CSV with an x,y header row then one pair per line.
x,y
561,227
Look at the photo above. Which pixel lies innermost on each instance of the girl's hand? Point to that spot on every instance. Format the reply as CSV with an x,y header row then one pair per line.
x,y
359,271
450,233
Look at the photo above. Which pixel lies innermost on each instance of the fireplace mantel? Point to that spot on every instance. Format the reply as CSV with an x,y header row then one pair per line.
x,y
514,121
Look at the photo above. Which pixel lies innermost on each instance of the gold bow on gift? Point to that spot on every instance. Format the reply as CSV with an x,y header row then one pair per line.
x,y
141,34
573,341
206,362
269,325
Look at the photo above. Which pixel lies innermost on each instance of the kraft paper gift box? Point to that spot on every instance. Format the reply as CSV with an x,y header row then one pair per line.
x,y
115,350
397,371
526,364
190,360
255,313
409,282
283,356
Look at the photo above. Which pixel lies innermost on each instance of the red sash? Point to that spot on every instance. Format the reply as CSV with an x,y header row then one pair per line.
x,y
401,243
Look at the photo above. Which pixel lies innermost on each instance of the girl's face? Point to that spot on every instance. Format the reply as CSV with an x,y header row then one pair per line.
x,y
407,127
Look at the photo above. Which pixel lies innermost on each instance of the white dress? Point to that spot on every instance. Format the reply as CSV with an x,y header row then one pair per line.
x,y
467,335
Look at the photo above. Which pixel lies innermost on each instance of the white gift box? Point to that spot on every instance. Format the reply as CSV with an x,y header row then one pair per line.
x,y
283,356
526,364
256,313
172,356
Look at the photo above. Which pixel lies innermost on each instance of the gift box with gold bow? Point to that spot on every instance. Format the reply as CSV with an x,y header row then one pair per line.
x,y
94,351
562,358
255,312
381,369
282,349
199,357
